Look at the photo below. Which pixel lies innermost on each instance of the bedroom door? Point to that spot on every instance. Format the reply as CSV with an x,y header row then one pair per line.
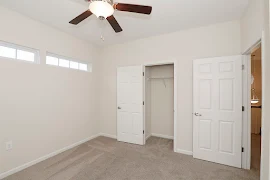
x,y
130,125
217,110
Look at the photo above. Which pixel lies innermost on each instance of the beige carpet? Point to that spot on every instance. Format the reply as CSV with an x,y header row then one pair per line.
x,y
106,159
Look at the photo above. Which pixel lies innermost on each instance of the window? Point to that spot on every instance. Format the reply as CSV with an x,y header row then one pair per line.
x,y
51,60
63,63
7,52
83,67
12,51
56,60
74,65
24,55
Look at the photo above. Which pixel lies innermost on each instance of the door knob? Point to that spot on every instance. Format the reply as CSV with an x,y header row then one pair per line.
x,y
119,107
197,114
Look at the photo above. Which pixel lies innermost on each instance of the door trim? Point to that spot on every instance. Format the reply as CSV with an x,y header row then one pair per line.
x,y
174,62
246,141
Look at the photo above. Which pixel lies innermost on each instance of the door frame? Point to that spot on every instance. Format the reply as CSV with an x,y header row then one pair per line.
x,y
246,142
169,62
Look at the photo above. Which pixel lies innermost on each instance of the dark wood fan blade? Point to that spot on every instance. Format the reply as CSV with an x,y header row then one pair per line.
x,y
81,17
133,8
117,28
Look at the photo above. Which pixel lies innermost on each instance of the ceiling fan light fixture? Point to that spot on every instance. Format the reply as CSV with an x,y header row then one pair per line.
x,y
101,8
104,9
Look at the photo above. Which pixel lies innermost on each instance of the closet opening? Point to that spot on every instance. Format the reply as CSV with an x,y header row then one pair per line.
x,y
159,105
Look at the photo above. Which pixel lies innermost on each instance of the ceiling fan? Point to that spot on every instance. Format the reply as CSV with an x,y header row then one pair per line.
x,y
104,9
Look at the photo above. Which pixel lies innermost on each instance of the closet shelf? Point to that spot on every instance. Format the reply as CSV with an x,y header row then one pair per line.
x,y
160,78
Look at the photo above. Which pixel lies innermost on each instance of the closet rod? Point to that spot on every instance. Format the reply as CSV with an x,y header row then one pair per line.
x,y
161,78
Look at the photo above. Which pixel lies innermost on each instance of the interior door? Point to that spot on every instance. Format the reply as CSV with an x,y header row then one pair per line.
x,y
217,107
130,126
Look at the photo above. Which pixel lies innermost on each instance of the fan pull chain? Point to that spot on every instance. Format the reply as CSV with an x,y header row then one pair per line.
x,y
102,38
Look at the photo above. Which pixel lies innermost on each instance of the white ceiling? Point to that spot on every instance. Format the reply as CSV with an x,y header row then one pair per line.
x,y
167,16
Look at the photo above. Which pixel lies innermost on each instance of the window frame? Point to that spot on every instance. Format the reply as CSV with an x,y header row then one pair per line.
x,y
22,48
89,64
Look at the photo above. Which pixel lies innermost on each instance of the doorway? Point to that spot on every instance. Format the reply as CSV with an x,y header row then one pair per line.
x,y
253,103
256,108
159,101
132,100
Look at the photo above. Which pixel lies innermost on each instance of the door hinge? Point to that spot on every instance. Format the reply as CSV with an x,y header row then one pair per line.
x,y
243,67
143,73
243,108
243,149
143,131
143,102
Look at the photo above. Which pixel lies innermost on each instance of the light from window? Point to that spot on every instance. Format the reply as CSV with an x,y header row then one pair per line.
x,y
74,65
26,56
83,67
64,63
56,60
7,52
13,51
52,60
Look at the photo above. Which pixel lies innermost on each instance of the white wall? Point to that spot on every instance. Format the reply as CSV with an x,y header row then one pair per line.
x,y
251,24
184,46
34,98
162,100
266,95
43,108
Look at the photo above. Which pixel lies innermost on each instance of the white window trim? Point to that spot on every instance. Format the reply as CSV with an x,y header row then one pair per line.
x,y
23,48
89,64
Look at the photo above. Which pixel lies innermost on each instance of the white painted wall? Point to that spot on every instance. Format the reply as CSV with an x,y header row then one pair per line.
x,y
34,98
184,46
162,100
251,24
43,108
265,170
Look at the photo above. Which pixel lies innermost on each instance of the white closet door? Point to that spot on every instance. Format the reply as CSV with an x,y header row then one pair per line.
x,y
217,104
130,104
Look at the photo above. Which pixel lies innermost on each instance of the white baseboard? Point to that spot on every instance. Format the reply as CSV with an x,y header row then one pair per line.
x,y
26,165
162,136
108,135
181,151
148,136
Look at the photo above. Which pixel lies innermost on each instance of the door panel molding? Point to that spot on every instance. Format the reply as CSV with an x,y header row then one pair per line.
x,y
129,105
217,107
